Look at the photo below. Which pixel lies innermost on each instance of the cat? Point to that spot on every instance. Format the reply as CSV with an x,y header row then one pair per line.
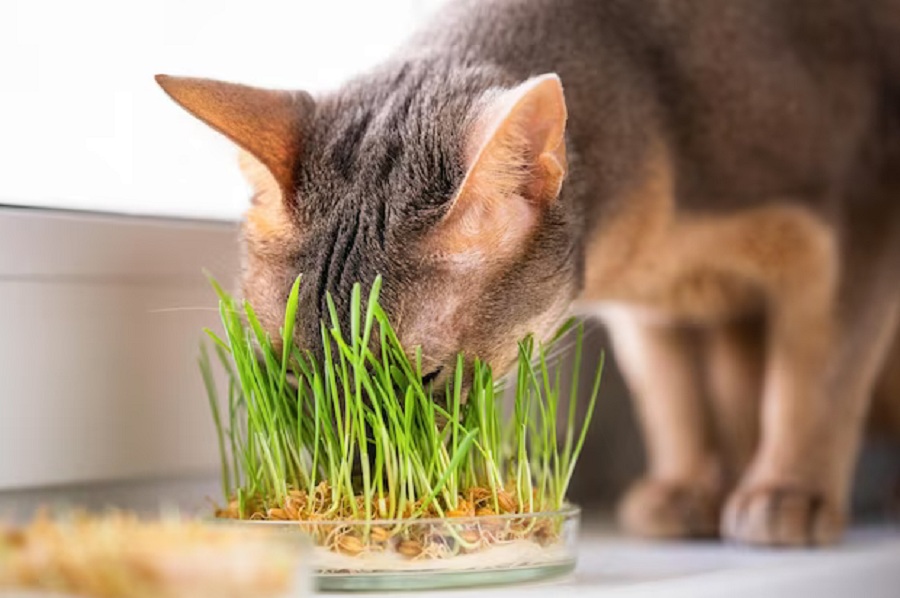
x,y
718,181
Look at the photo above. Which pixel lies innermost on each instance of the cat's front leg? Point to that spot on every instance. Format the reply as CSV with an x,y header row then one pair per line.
x,y
823,359
680,496
735,360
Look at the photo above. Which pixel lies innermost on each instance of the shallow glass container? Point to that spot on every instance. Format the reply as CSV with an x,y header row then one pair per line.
x,y
408,554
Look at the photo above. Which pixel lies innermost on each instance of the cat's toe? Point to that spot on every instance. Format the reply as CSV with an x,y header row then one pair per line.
x,y
667,509
781,515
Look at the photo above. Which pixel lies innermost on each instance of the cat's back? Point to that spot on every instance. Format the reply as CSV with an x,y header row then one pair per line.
x,y
522,36
759,96
754,57
525,34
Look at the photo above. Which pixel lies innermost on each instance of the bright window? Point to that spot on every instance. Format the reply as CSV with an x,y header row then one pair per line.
x,y
83,125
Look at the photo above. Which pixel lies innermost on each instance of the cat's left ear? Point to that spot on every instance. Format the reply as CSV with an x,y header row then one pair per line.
x,y
266,123
515,153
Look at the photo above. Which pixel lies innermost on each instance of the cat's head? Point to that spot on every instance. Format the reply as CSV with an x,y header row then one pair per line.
x,y
450,191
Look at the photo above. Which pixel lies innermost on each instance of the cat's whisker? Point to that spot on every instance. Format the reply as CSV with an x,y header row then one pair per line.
x,y
565,344
163,310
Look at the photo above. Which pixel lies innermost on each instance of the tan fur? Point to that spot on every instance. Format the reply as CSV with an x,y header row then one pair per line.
x,y
267,219
885,416
659,363
735,362
266,229
664,270
706,268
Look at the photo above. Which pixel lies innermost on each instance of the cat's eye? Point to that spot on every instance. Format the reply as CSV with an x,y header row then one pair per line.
x,y
431,376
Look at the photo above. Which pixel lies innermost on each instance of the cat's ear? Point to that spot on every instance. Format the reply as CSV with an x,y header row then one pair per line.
x,y
268,124
516,161
517,143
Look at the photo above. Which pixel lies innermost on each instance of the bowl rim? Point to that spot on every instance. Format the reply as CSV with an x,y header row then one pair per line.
x,y
568,511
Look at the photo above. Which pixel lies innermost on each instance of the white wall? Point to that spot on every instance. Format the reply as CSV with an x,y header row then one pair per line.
x,y
100,322
100,316
83,125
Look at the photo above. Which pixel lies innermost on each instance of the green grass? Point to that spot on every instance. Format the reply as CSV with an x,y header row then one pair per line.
x,y
358,435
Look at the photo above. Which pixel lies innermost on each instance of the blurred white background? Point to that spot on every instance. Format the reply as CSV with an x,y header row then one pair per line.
x,y
83,125
101,315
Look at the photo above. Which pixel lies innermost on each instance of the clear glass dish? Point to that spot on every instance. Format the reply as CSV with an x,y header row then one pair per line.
x,y
409,554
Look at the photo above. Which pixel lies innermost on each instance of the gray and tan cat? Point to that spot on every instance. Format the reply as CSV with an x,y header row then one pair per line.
x,y
720,181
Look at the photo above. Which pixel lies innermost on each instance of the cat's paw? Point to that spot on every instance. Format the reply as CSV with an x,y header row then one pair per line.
x,y
664,509
781,515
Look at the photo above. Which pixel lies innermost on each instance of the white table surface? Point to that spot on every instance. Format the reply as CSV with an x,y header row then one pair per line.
x,y
866,565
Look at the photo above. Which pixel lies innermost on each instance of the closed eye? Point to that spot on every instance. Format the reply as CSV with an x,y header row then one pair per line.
x,y
431,376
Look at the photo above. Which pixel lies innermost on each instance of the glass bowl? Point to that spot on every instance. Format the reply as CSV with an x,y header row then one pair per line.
x,y
408,554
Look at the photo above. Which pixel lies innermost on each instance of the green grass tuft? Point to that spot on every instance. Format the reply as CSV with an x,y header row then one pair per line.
x,y
359,436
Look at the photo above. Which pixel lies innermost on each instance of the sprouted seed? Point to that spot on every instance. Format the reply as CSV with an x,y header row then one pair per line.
x,y
356,435
116,554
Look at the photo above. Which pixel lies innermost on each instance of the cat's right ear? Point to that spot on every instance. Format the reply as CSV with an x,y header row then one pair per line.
x,y
267,124
515,154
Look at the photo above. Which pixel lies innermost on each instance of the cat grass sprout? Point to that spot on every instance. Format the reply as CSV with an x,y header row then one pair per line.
x,y
356,442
